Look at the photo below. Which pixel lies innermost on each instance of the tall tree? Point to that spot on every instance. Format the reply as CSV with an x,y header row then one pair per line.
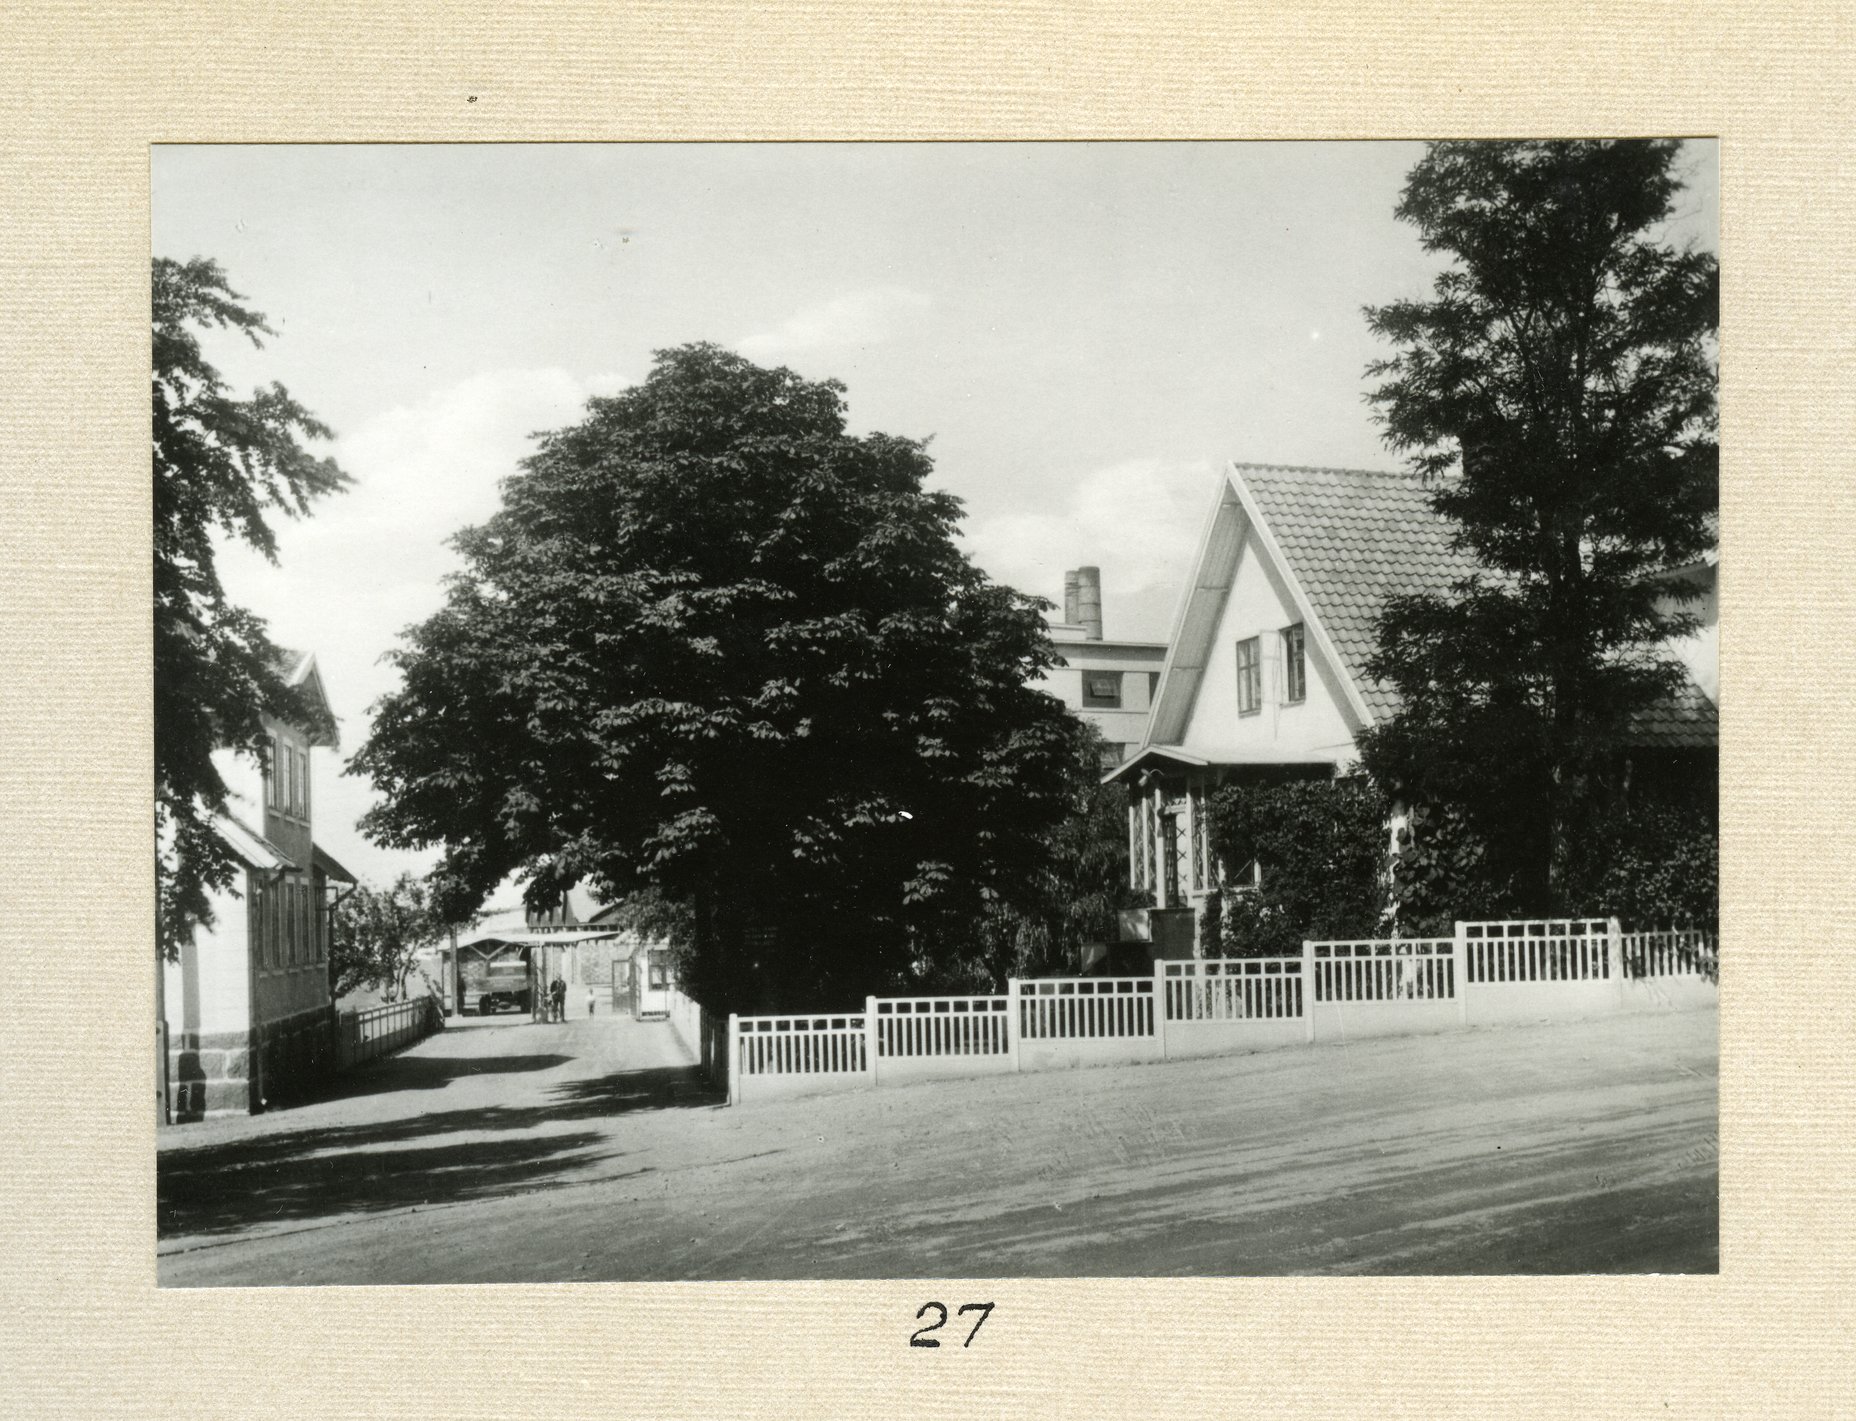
x,y
222,467
1558,392
716,646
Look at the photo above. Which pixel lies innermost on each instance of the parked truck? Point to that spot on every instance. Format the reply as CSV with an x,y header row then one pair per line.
x,y
497,984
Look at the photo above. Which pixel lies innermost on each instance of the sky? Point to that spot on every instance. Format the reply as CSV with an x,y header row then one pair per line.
x,y
1086,333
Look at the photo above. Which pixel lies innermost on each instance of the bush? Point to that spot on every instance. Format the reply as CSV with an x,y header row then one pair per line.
x,y
1443,871
1320,846
1654,865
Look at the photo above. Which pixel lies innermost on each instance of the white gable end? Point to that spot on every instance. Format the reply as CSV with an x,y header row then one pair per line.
x,y
1319,727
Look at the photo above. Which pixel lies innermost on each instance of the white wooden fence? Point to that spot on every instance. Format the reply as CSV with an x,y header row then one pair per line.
x,y
1336,990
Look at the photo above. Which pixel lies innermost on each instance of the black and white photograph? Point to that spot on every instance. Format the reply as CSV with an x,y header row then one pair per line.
x,y
734,711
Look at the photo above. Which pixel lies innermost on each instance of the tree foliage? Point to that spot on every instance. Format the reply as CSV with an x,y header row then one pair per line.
x,y
1320,850
222,468
1072,899
377,931
716,646
1557,391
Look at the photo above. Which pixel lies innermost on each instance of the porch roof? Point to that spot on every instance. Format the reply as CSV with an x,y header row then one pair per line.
x,y
530,937
251,847
1149,753
329,866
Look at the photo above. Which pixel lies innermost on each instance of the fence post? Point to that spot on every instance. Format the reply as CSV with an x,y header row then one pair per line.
x,y
1614,956
1011,1019
1160,1004
734,1059
1459,971
870,1056
1308,989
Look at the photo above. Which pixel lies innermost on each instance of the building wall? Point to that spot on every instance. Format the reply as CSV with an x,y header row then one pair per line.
x,y
248,1004
1321,727
1135,664
206,997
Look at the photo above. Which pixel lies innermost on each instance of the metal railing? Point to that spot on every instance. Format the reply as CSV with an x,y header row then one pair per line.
x,y
379,1031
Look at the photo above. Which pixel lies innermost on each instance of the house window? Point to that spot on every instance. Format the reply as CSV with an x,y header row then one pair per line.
x,y
273,772
1102,689
1111,755
302,783
255,918
1249,677
1294,664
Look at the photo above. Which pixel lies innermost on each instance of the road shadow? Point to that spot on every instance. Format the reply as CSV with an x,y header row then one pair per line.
x,y
396,1073
202,1196
324,1171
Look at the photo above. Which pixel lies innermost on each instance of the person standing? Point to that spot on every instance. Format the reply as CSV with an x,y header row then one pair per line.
x,y
589,999
557,998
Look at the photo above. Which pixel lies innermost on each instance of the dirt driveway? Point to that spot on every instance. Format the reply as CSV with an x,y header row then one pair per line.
x,y
524,1153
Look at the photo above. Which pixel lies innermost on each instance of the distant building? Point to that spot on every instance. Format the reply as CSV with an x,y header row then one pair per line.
x,y
514,949
246,1009
1110,684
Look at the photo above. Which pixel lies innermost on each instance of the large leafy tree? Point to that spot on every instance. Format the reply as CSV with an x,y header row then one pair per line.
x,y
1557,390
222,468
715,646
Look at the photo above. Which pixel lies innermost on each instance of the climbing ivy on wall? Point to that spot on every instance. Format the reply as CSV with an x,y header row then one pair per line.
x,y
1320,847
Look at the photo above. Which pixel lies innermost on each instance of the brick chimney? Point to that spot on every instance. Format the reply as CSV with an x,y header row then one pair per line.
x,y
1088,601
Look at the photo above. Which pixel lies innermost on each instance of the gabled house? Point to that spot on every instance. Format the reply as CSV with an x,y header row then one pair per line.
x,y
247,1007
1265,673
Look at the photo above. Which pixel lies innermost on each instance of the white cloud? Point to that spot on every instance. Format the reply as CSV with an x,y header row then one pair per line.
x,y
369,562
857,318
1136,520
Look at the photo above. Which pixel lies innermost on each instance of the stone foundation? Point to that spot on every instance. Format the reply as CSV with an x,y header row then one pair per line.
x,y
211,1073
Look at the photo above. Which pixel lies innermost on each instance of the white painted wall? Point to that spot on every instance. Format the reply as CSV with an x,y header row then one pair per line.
x,y
1136,663
209,988
1321,727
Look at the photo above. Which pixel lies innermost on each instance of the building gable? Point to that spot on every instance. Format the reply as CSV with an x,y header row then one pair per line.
x,y
1335,543
1331,546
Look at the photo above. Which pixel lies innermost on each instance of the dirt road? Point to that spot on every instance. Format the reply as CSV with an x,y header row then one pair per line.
x,y
523,1153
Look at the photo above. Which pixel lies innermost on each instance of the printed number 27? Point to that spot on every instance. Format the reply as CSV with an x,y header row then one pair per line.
x,y
920,1338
